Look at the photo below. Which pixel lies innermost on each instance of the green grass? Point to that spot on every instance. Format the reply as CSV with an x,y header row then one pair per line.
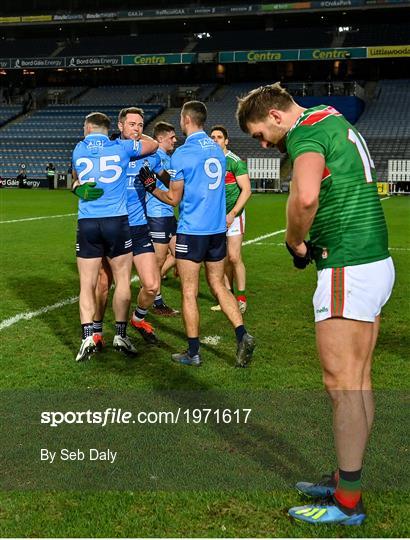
x,y
38,269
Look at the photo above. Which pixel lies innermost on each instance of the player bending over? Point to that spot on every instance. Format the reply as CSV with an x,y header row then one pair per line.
x,y
334,198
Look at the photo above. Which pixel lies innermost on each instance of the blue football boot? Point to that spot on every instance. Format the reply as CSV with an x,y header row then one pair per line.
x,y
324,488
329,513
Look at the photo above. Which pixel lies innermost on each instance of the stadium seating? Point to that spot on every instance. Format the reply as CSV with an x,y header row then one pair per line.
x,y
126,44
14,48
223,112
377,34
7,112
127,96
49,135
385,124
280,38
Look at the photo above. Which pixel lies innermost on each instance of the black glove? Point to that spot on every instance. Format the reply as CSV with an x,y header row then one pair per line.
x,y
301,262
88,191
147,178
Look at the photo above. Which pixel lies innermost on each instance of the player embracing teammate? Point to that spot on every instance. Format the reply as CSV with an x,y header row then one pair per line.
x,y
197,184
100,167
196,174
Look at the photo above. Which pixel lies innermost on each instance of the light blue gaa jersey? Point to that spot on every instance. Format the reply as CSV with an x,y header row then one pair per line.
x,y
97,159
136,195
200,162
155,207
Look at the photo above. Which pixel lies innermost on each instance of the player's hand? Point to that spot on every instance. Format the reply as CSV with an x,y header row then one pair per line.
x,y
230,218
302,256
88,191
147,178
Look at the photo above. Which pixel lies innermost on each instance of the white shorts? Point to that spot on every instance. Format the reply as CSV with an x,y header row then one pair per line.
x,y
238,226
353,292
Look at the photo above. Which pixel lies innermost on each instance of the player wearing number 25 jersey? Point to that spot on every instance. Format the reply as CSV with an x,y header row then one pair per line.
x,y
97,159
103,231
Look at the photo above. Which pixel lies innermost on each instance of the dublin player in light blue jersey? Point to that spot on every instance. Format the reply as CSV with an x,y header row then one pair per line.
x,y
131,124
100,170
161,219
198,186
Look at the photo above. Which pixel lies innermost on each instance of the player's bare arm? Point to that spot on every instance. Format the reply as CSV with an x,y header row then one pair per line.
x,y
148,145
164,177
75,182
173,196
303,200
244,183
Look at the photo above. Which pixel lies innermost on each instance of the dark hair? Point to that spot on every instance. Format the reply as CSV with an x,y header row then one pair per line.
x,y
220,128
196,110
129,110
161,128
98,119
255,106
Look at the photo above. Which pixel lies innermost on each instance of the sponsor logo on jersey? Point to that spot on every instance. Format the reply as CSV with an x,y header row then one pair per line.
x,y
95,145
206,143
323,309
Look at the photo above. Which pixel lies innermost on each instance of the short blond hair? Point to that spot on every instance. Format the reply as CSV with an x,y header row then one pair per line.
x,y
255,106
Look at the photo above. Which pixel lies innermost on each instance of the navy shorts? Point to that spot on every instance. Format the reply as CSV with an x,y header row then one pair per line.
x,y
141,240
162,229
198,248
103,237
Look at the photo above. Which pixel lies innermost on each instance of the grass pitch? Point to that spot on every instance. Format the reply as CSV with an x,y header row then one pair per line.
x,y
39,280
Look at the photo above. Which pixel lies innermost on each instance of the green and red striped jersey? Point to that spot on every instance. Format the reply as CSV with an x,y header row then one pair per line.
x,y
349,227
235,167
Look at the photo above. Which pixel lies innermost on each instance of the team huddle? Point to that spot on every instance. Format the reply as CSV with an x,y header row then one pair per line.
x,y
128,188
333,199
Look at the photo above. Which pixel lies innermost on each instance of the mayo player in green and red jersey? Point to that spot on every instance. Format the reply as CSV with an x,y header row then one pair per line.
x,y
333,197
237,192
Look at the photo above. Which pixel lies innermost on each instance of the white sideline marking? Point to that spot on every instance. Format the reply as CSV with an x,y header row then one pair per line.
x,y
31,314
211,340
282,244
66,215
35,218
254,240
6,323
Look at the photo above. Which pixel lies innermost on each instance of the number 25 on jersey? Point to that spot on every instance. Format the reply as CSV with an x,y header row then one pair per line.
x,y
105,164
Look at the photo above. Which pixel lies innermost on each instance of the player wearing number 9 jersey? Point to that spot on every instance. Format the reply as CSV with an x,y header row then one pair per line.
x,y
200,164
334,198
197,172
